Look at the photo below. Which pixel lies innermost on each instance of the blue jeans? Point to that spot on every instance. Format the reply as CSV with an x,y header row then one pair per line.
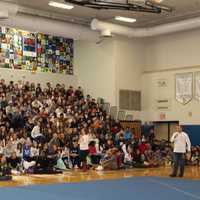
x,y
179,162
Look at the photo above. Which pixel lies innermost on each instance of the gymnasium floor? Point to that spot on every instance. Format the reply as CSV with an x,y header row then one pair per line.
x,y
140,184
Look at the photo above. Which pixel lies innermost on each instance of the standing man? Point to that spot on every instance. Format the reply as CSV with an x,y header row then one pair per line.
x,y
181,146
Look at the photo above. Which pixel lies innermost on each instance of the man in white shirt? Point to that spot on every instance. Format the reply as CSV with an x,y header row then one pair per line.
x,y
181,146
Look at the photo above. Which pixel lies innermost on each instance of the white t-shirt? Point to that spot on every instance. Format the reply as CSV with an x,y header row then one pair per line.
x,y
84,142
181,142
35,132
34,152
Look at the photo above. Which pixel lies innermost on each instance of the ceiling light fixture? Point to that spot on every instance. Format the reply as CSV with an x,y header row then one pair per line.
x,y
157,1
125,19
60,5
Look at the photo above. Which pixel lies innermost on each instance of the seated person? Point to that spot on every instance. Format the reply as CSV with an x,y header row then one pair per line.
x,y
19,150
128,157
47,160
14,162
150,159
109,162
65,155
143,146
128,135
109,144
74,155
28,161
42,161
53,156
95,158
5,170
34,151
139,159
120,141
194,159
167,155
60,165
36,133
158,157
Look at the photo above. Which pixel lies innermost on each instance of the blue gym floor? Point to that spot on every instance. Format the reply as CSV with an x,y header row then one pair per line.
x,y
137,188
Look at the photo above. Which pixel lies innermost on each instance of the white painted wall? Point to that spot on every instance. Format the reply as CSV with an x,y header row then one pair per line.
x,y
166,56
95,67
151,92
103,69
129,60
39,77
172,51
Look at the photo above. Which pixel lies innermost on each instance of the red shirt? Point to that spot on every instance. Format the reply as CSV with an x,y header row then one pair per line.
x,y
92,150
143,147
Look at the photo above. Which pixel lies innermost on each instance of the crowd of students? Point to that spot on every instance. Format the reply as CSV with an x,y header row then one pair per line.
x,y
48,130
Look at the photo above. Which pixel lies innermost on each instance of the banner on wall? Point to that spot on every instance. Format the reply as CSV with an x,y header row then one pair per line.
x,y
184,87
21,49
197,85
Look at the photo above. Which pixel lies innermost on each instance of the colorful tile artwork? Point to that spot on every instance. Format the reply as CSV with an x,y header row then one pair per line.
x,y
35,51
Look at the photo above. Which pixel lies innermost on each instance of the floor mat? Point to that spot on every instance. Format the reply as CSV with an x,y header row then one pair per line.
x,y
138,188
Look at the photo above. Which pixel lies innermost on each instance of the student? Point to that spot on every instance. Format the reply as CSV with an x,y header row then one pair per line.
x,y
28,162
36,133
109,161
14,162
128,134
128,156
74,155
65,156
5,170
95,158
84,147
139,159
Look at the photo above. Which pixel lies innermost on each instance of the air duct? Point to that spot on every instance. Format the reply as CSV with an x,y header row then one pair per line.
x,y
146,32
7,10
12,17
49,26
4,14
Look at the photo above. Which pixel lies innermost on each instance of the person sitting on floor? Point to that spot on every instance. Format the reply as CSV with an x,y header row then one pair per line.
x,y
74,153
14,162
194,159
128,157
138,159
5,170
94,157
109,161
28,161
150,159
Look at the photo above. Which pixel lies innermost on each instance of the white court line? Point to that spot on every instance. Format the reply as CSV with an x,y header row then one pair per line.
x,y
175,188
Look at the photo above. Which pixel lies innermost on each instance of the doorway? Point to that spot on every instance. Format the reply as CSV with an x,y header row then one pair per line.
x,y
164,130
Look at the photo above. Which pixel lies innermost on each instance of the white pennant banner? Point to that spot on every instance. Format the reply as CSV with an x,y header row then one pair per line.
x,y
197,85
184,87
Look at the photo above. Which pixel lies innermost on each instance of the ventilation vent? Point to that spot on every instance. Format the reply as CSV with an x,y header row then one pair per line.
x,y
130,100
